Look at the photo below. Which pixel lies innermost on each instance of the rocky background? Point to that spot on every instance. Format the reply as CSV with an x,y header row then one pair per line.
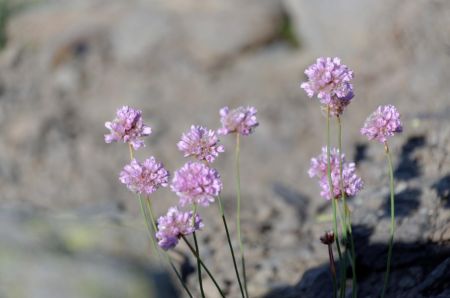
x,y
68,228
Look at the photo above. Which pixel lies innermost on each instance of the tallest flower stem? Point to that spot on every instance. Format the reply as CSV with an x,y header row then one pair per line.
x,y
334,202
391,239
238,211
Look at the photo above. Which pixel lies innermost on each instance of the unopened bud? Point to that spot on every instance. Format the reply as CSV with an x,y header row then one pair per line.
x,y
327,238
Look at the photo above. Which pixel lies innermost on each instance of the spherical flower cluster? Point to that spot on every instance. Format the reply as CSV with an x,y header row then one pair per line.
x,y
330,80
352,184
146,177
241,120
175,224
201,143
382,123
127,127
319,164
196,183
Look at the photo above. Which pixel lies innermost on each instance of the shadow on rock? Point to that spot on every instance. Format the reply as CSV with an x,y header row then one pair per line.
x,y
418,270
442,188
360,153
293,198
408,167
406,202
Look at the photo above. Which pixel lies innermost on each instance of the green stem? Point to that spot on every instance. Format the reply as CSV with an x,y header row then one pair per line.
x,y
352,247
178,275
152,217
330,183
149,229
238,211
347,219
152,233
199,268
203,265
391,240
230,246
169,260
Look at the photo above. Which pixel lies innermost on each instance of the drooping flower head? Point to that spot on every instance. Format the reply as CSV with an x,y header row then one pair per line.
x,y
352,184
241,120
382,123
127,127
201,143
146,177
175,224
196,183
330,80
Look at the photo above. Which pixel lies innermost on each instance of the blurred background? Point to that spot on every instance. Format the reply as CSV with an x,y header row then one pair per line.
x,y
68,228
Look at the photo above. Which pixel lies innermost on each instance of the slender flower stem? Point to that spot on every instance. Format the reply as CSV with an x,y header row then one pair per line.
x,y
152,233
199,268
347,219
391,240
144,214
152,217
149,229
203,265
334,203
238,211
169,260
352,247
197,250
178,275
229,244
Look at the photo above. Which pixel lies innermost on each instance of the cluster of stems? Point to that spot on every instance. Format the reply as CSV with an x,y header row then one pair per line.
x,y
341,211
164,256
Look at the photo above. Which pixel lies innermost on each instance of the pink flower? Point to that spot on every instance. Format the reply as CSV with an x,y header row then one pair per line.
x,y
330,80
241,120
196,183
319,163
127,127
201,143
382,123
174,225
144,177
352,184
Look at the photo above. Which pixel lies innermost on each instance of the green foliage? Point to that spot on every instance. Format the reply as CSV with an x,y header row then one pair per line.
x,y
287,32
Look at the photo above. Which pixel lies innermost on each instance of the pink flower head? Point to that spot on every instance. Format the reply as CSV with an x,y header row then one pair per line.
x,y
127,127
175,224
196,183
319,163
241,120
330,80
382,123
144,177
201,143
351,182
